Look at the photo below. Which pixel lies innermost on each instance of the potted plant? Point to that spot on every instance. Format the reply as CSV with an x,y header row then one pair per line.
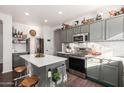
x,y
56,75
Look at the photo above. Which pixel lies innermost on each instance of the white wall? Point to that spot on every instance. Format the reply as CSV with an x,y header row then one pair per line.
x,y
45,32
48,35
25,29
1,42
19,47
7,42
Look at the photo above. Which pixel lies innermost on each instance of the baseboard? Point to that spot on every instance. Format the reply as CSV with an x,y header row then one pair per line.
x,y
7,71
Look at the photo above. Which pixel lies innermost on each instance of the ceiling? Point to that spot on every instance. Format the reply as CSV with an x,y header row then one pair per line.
x,y
50,12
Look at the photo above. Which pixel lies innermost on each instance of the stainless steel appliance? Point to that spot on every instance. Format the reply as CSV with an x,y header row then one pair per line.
x,y
39,45
81,37
81,51
77,66
77,62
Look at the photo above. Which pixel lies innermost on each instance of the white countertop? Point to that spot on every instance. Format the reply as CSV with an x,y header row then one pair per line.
x,y
20,52
64,52
114,58
42,61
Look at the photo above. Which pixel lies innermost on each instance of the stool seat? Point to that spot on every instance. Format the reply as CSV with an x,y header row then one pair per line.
x,y
29,81
20,69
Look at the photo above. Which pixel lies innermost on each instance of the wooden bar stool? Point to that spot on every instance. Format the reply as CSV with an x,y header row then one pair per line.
x,y
29,81
20,70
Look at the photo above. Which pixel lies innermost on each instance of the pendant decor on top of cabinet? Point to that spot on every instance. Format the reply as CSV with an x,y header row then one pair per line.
x,y
32,32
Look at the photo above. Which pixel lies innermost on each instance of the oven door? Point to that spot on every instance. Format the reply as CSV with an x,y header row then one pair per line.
x,y
77,64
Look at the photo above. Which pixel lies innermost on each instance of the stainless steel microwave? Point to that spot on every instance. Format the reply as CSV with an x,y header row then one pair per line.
x,y
81,37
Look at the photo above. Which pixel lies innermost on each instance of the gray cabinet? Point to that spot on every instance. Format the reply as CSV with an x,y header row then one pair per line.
x,y
64,36
93,69
108,29
106,71
70,35
114,28
77,30
65,56
97,32
17,60
57,41
85,29
109,74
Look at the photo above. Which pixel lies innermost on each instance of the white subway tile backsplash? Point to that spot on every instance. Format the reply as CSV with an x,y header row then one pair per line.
x,y
112,48
116,46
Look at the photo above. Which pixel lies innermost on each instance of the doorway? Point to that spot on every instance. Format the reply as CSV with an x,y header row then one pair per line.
x,y
1,46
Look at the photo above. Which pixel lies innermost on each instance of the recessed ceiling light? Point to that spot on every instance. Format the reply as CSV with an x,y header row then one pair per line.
x,y
60,12
45,20
26,13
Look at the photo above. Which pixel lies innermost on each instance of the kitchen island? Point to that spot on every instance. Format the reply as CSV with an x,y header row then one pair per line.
x,y
44,66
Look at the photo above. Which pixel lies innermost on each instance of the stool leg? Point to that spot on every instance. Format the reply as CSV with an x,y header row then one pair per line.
x,y
16,83
36,85
20,74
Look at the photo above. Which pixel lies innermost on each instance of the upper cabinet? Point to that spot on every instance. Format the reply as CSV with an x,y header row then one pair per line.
x,y
64,36
67,36
77,30
108,29
84,29
70,35
97,32
115,28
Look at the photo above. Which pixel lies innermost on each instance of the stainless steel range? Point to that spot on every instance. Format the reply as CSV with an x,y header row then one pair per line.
x,y
77,62
77,66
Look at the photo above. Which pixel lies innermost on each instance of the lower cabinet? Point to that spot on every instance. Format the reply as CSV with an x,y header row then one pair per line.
x,y
16,60
65,56
107,73
93,70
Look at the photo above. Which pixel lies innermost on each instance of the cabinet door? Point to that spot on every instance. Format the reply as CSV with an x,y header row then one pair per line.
x,y
109,74
64,36
97,31
114,28
70,35
17,60
77,30
85,29
65,56
93,69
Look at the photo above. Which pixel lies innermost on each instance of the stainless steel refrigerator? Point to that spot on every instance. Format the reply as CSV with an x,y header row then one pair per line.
x,y
39,45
